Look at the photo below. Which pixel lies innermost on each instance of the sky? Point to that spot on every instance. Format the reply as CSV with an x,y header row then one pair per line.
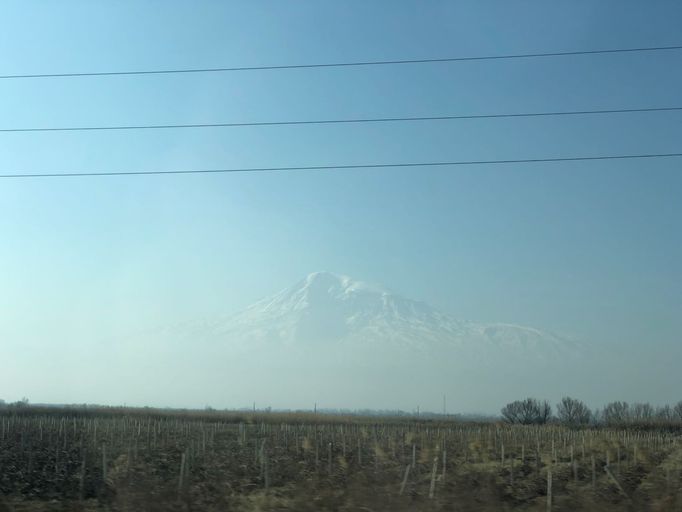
x,y
590,249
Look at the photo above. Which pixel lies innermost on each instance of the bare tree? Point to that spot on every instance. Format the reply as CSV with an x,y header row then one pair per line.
x,y
664,413
597,417
527,412
677,411
642,412
616,413
573,412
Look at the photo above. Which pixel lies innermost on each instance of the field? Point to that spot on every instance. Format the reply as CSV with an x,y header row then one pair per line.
x,y
137,459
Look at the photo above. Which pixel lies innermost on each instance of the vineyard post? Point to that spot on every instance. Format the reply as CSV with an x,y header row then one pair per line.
x,y
432,489
329,458
445,460
317,453
30,457
402,485
667,479
537,455
183,462
376,455
104,463
262,459
635,455
549,488
607,470
618,461
81,480
266,467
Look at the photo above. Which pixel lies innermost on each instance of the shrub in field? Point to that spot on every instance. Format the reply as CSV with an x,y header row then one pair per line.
x,y
527,412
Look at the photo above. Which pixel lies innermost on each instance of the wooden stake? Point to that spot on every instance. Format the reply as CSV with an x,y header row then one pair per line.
x,y
266,469
183,461
445,460
104,463
549,489
407,473
329,458
81,480
432,489
615,481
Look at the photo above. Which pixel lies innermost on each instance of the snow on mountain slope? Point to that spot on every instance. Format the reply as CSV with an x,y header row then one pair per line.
x,y
326,308
346,343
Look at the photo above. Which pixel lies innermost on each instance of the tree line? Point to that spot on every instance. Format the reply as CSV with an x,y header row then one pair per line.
x,y
574,412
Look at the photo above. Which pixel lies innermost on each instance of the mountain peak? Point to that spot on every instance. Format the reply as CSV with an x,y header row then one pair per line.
x,y
324,279
333,284
325,275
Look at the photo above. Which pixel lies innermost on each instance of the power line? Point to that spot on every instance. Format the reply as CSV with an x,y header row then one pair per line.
x,y
345,64
342,121
343,167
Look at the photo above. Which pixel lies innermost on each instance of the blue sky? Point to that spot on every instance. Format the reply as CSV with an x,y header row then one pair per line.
x,y
591,249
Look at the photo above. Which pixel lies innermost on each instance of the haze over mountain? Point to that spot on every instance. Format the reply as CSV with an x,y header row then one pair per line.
x,y
326,308
340,342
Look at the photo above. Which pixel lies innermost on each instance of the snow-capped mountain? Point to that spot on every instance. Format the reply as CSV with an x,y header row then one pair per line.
x,y
335,340
326,308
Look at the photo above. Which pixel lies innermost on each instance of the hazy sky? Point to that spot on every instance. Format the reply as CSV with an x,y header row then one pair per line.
x,y
591,249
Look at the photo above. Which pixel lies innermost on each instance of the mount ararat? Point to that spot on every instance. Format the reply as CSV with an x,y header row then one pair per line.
x,y
344,343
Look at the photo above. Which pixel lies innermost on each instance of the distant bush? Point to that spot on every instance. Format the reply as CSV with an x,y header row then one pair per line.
x,y
527,412
19,404
573,412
